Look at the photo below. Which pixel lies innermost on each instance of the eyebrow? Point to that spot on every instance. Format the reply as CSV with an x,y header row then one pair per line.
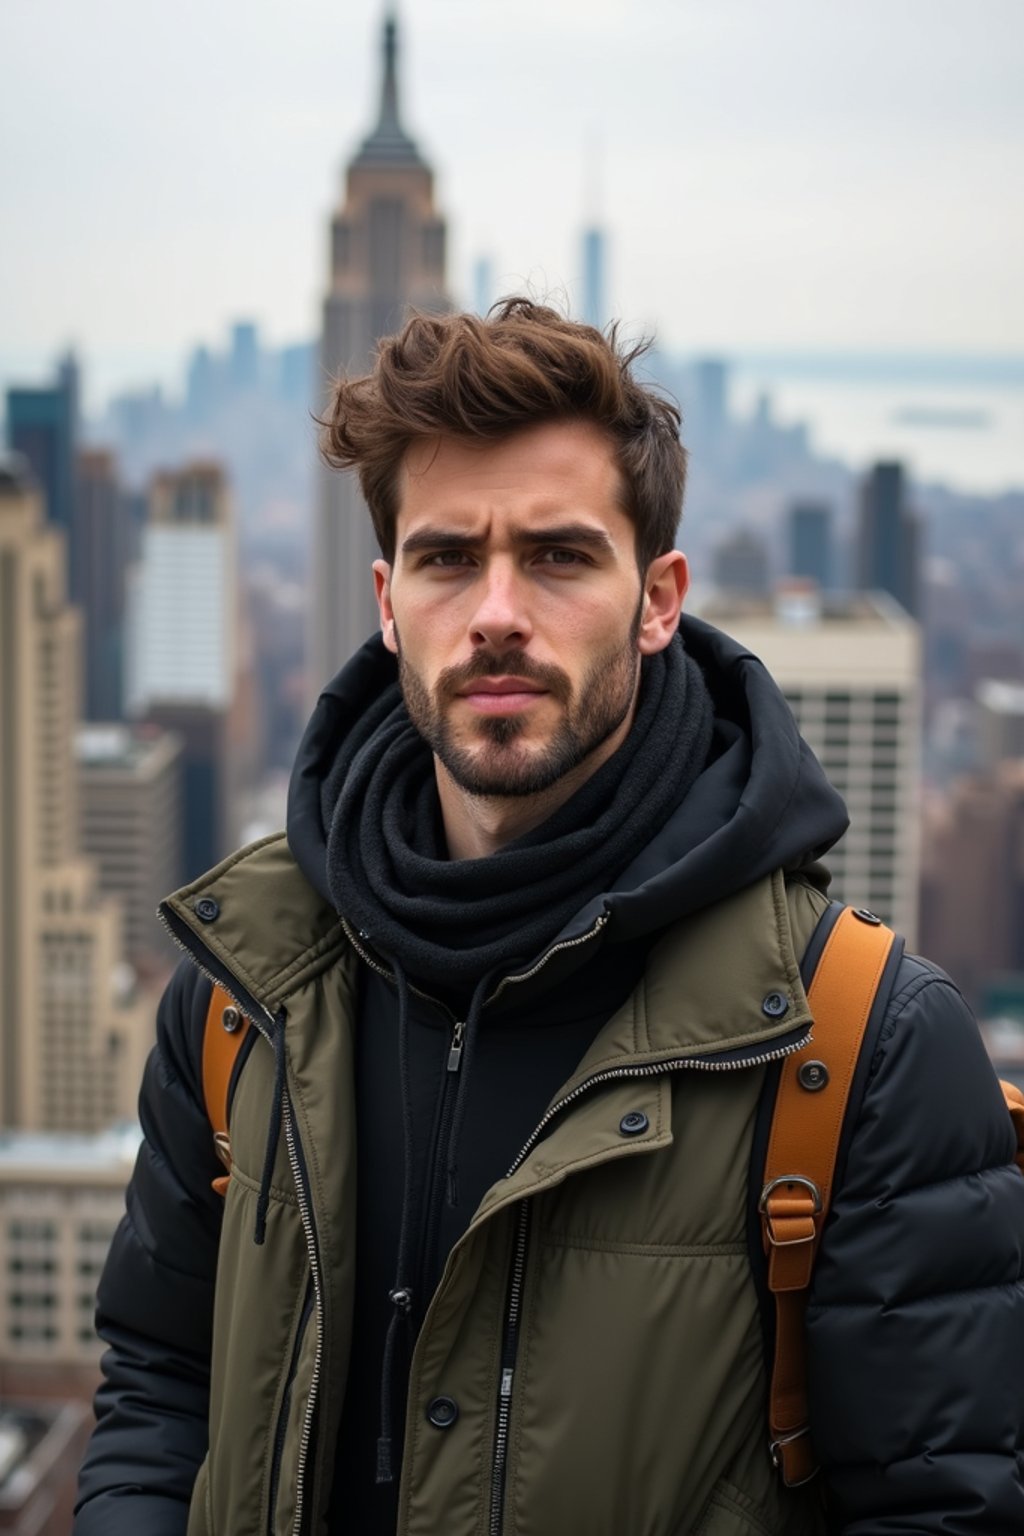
x,y
565,533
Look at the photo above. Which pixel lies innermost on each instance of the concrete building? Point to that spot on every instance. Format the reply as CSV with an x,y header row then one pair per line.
x,y
851,671
972,896
130,793
71,1036
1000,707
889,555
387,254
61,1198
182,658
105,535
740,563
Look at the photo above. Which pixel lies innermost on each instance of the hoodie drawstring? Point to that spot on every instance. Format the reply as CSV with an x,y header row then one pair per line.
x,y
400,1294
273,1132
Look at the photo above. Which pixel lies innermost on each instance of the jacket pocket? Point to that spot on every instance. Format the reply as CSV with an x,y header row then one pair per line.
x,y
729,1512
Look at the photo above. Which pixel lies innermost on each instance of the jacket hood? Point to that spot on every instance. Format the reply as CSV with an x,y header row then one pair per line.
x,y
761,803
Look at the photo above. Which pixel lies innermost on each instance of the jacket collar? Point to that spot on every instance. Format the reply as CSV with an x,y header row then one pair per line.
x,y
723,980
256,925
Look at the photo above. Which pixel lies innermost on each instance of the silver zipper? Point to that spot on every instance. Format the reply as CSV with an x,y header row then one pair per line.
x,y
314,1264
382,970
515,1295
655,1069
583,938
307,1226
455,1049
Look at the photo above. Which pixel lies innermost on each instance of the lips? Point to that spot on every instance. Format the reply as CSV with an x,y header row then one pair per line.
x,y
501,695
501,685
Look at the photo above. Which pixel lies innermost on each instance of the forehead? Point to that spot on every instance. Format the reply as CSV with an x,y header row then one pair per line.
x,y
539,473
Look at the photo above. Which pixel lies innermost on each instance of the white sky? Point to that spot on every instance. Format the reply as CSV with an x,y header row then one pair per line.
x,y
776,173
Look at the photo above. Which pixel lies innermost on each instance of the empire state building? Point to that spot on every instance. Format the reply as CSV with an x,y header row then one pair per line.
x,y
387,254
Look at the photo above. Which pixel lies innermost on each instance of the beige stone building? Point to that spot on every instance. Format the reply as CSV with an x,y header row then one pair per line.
x,y
61,1198
851,671
387,253
71,1035
130,793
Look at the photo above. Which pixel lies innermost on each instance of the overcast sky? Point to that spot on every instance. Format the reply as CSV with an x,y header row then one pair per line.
x,y
776,173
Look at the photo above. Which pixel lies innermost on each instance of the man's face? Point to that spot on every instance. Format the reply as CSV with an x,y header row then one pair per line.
x,y
515,606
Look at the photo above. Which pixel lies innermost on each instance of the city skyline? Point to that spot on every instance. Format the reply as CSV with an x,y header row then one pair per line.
x,y
786,179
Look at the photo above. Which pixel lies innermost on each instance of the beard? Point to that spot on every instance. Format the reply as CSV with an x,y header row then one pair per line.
x,y
487,757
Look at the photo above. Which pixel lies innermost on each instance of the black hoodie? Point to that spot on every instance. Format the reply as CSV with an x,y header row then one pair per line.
x,y
761,803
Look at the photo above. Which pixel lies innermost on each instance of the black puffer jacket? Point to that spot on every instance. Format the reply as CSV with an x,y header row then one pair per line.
x,y
916,1329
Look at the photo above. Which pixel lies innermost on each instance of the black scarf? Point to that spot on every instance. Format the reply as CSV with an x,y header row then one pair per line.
x,y
451,921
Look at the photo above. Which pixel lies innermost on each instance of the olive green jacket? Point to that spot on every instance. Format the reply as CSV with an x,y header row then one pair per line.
x,y
596,1332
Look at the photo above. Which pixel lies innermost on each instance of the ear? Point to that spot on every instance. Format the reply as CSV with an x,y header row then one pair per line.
x,y
382,587
665,586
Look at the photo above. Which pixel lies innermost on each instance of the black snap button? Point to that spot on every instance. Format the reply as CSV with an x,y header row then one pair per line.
x,y
442,1412
634,1124
813,1076
206,909
775,1005
231,1019
867,917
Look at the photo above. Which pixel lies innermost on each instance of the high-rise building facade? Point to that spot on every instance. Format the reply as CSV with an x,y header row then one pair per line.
x,y
61,1198
851,672
71,1033
973,880
387,254
42,426
810,545
105,535
889,538
740,563
130,792
182,655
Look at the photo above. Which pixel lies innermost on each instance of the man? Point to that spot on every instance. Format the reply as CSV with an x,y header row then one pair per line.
x,y
519,977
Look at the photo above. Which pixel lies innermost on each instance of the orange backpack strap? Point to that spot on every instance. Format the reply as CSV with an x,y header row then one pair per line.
x,y
1015,1104
814,1088
226,1027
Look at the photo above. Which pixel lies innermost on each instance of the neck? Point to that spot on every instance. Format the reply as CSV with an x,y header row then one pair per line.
x,y
476,826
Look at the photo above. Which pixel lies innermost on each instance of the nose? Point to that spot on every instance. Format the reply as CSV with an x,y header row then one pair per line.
x,y
501,617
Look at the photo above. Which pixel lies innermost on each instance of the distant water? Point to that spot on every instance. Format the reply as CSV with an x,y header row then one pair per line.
x,y
963,427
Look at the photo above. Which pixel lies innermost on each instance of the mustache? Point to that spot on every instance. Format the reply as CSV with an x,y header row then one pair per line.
x,y
512,663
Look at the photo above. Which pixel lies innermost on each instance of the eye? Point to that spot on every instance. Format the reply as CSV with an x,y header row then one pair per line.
x,y
563,557
446,559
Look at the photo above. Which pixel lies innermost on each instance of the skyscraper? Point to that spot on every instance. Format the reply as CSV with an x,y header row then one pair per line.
x,y
129,788
810,543
182,653
594,276
42,426
71,1036
851,672
889,554
387,253
105,535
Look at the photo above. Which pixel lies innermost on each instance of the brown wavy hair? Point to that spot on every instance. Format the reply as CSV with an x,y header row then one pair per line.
x,y
521,365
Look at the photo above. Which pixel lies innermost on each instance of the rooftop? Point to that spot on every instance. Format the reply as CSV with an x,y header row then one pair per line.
x,y
61,1152
120,747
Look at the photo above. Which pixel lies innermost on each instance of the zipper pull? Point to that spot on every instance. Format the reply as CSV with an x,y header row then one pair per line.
x,y
455,1049
506,1382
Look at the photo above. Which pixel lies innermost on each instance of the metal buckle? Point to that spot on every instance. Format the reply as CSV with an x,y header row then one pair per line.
x,y
775,1446
792,1242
